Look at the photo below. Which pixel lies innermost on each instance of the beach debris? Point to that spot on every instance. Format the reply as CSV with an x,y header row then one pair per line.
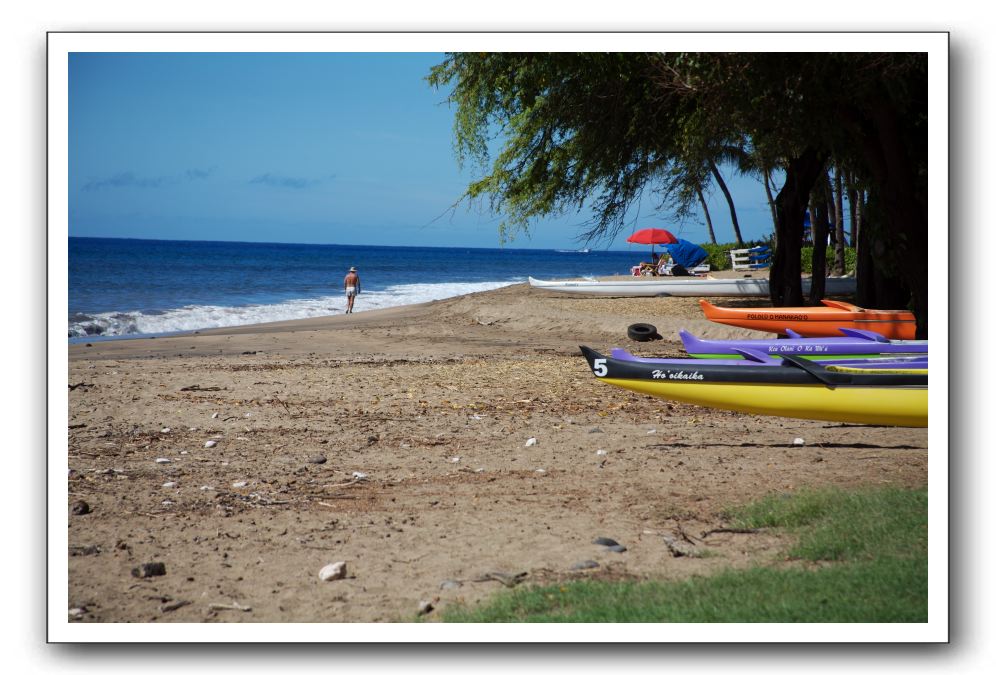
x,y
584,565
92,549
677,549
210,444
798,441
476,417
80,508
173,606
247,415
207,487
359,475
185,452
454,460
162,460
235,606
595,430
317,459
77,612
166,502
424,607
601,452
333,571
450,585
214,416
150,569
531,442
165,430
618,548
169,484
240,484
605,541
503,578
651,431
197,387
540,471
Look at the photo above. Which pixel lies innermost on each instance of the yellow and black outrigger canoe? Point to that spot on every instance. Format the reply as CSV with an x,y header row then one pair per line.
x,y
795,388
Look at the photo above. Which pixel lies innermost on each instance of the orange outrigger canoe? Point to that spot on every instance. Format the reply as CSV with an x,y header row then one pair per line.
x,y
816,321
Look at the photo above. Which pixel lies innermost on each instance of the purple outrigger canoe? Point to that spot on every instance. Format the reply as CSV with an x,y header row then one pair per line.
x,y
743,357
856,345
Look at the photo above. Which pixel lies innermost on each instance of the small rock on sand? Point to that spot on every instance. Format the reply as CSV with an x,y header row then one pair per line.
x,y
151,569
605,541
424,607
80,508
450,585
584,565
333,571
210,444
317,459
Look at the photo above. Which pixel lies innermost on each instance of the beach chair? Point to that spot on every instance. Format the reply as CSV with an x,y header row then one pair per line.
x,y
701,268
746,259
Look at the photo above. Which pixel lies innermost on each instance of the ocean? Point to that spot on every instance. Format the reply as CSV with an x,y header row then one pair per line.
x,y
141,287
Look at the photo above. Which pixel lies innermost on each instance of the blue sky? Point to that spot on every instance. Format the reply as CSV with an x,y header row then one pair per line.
x,y
305,148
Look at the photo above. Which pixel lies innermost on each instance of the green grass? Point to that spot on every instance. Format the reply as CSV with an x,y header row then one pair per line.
x,y
871,543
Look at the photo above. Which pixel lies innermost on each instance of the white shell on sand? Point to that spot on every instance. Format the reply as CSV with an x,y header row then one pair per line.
x,y
530,442
240,484
170,484
214,416
359,475
601,452
333,571
799,441
454,460
162,460
165,430
210,444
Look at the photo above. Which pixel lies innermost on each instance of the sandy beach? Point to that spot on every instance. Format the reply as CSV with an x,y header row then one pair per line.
x,y
398,441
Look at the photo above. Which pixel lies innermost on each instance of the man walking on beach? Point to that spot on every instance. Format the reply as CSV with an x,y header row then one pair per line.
x,y
352,285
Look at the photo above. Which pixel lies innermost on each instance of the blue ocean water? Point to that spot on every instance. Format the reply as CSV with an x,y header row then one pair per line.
x,y
120,287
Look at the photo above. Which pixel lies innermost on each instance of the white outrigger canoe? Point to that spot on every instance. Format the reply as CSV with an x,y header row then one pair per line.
x,y
683,287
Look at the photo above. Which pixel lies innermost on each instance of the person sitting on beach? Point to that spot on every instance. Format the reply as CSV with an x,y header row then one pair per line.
x,y
351,283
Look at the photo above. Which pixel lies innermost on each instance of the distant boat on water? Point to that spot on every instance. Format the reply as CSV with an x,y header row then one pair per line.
x,y
571,250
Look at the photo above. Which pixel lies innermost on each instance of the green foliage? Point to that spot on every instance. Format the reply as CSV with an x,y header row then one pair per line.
x,y
850,259
876,537
605,129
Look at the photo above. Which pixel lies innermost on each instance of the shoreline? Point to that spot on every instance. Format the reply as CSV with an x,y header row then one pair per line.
x,y
724,274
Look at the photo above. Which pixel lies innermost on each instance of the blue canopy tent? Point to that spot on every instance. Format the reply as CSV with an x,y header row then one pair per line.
x,y
686,254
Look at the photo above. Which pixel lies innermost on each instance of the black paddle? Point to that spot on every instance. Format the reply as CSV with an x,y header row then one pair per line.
x,y
816,371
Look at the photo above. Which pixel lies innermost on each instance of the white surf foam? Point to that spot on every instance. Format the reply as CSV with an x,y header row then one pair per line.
x,y
196,317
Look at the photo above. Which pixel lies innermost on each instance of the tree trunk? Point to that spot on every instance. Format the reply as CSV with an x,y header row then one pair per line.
x,y
853,208
767,191
705,210
904,207
801,173
729,200
877,287
838,209
821,225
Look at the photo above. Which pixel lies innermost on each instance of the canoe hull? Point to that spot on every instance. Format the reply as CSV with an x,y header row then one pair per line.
x,y
860,345
815,321
682,287
868,405
796,388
